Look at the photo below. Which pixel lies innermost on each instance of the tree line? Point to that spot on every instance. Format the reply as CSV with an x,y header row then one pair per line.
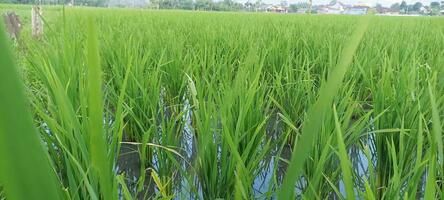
x,y
433,8
224,5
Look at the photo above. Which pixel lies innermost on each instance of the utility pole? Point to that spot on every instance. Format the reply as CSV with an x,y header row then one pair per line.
x,y
310,3
36,20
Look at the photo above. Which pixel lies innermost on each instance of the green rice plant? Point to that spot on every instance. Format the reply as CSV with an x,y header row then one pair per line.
x,y
399,95
227,138
206,105
317,113
66,114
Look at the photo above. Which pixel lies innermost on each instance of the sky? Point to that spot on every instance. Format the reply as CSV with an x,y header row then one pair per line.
x,y
367,2
374,2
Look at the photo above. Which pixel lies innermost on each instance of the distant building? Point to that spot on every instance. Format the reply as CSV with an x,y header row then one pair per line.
x,y
128,3
335,7
277,9
383,10
357,10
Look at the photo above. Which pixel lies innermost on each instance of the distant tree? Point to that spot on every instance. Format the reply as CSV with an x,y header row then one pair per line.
x,y
257,5
186,4
434,8
378,6
248,6
403,7
228,5
435,4
23,1
298,6
204,5
168,4
97,3
236,6
395,7
155,4
293,8
284,3
417,6
410,9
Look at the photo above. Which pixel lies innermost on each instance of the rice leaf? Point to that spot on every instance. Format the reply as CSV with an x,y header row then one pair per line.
x,y
25,170
347,175
98,143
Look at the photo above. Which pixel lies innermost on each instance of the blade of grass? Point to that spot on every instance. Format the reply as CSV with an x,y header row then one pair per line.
x,y
25,169
437,127
345,163
430,189
98,143
125,191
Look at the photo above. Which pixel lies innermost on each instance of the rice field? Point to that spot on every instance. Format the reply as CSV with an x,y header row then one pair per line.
x,y
148,104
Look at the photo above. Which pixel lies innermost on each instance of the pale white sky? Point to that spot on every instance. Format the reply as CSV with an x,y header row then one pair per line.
x,y
368,2
373,2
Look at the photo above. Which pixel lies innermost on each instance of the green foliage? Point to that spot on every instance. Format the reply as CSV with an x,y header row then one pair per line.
x,y
173,104
25,170
318,111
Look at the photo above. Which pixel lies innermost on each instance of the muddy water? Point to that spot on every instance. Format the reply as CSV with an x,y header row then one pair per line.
x,y
129,164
